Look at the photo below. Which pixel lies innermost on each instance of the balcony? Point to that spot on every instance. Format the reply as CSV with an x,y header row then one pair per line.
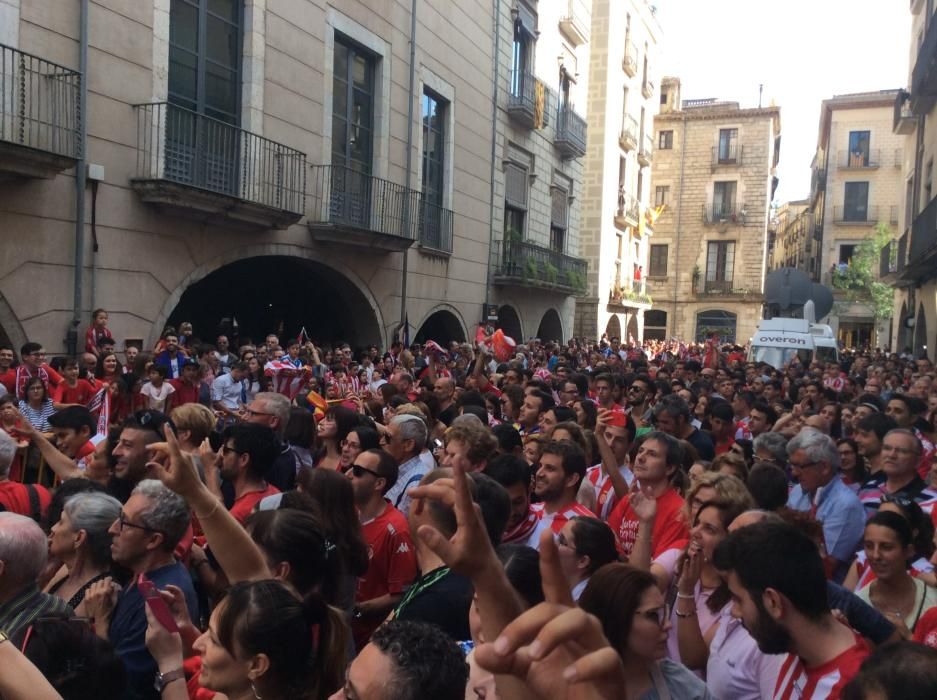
x,y
524,264
922,248
632,294
865,216
858,160
889,262
924,74
434,227
724,213
529,100
196,166
628,138
817,180
647,88
904,121
570,138
629,210
350,207
574,25
39,116
726,155
723,288
646,152
629,64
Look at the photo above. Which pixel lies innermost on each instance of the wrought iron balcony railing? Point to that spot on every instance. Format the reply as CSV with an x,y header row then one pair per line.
x,y
646,152
570,132
629,64
530,100
724,213
726,154
183,147
849,160
628,139
39,110
855,215
526,264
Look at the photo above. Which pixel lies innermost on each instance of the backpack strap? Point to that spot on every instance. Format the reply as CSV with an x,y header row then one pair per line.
x,y
34,508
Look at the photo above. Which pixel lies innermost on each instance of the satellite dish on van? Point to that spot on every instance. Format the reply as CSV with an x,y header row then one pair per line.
x,y
787,288
822,300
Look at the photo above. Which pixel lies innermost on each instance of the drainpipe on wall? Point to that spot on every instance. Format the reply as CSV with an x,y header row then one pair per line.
x,y
71,339
494,151
676,266
408,201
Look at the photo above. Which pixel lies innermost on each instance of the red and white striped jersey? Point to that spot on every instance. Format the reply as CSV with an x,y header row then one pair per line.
x,y
824,682
555,521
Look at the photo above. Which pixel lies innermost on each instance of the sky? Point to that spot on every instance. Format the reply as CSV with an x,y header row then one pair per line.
x,y
802,51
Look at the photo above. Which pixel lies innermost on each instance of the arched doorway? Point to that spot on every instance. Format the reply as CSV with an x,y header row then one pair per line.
x,y
442,326
905,336
550,327
655,324
613,328
920,333
510,323
632,328
279,294
719,323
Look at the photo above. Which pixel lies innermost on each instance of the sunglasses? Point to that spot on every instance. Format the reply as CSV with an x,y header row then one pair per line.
x,y
358,472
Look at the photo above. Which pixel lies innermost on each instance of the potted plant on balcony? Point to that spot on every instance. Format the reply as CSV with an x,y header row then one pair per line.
x,y
550,272
511,236
696,276
531,270
576,281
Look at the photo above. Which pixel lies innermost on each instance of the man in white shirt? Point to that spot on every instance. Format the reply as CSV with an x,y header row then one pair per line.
x,y
229,392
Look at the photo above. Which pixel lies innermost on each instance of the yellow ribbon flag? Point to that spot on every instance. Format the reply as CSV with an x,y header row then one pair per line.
x,y
642,223
540,97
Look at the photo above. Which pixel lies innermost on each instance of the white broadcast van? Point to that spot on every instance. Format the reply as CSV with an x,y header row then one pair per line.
x,y
779,340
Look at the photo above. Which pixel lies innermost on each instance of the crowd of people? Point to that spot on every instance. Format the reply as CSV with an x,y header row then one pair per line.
x,y
589,520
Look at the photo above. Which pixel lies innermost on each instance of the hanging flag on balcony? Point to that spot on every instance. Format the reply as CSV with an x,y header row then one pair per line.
x,y
540,99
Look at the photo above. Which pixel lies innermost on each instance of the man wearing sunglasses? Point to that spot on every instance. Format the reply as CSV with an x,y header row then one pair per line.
x,y
391,555
144,536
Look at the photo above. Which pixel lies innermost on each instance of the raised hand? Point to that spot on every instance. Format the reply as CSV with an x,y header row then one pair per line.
x,y
556,650
644,503
179,473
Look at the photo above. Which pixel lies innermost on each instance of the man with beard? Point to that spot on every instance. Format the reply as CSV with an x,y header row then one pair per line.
x,y
639,397
391,554
131,452
786,610
513,473
562,469
244,461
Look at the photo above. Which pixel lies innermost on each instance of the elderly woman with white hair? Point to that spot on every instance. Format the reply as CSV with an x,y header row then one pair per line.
x,y
23,554
80,540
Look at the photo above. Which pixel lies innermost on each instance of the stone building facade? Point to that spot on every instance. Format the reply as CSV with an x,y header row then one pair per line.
x,y
857,186
274,164
790,237
715,164
617,194
910,261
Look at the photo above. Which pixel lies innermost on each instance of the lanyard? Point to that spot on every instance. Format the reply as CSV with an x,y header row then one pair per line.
x,y
419,587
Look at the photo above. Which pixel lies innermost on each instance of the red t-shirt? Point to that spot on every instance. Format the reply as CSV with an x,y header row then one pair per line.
x,y
8,379
391,564
824,682
244,505
81,393
723,446
185,393
668,530
15,498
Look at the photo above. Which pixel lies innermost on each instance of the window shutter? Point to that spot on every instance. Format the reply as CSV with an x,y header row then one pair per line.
x,y
515,186
559,205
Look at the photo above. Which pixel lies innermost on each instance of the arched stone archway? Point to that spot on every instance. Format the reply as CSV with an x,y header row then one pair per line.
x,y
276,293
443,326
510,322
633,331
551,328
905,337
12,333
920,333
613,328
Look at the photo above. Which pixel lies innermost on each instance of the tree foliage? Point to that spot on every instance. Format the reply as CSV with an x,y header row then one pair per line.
x,y
859,279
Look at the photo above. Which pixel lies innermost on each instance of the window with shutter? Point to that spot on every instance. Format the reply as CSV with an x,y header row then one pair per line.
x,y
515,186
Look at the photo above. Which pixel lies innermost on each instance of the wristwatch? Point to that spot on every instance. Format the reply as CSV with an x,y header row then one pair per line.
x,y
164,679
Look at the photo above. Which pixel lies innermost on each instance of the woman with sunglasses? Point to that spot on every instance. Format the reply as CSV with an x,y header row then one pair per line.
x,y
634,618
899,596
81,541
